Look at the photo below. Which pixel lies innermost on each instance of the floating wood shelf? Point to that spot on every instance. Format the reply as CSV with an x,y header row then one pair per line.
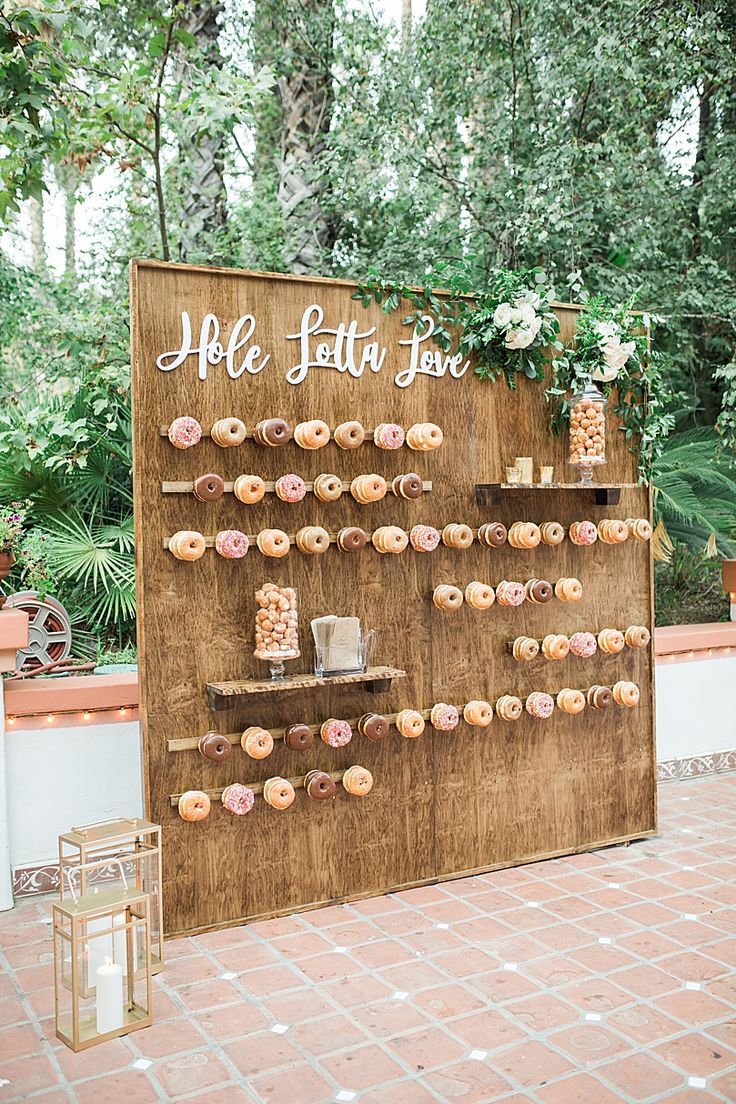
x,y
249,436
604,494
173,486
377,680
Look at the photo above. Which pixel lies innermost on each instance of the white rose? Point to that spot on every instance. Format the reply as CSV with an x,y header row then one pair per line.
x,y
535,325
615,355
527,312
606,329
530,297
519,339
502,315
604,375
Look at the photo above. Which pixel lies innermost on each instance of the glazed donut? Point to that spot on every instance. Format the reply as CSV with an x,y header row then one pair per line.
x,y
194,805
410,723
555,646
290,488
336,733
319,785
408,486
610,641
312,540
327,487
510,593
599,697
525,648
349,435
272,432
539,591
524,534
257,742
231,544
208,488
639,528
612,531
249,489
373,726
312,435
478,713
508,707
479,595
444,717
185,432
540,705
637,636
626,693
571,701
298,737
278,793
424,436
583,533
357,781
228,431
368,488
214,747
457,536
388,435
187,545
447,597
569,590
390,538
351,539
424,538
583,645
551,533
273,542
238,799
493,534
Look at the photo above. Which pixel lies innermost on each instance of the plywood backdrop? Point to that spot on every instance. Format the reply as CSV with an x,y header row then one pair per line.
x,y
442,804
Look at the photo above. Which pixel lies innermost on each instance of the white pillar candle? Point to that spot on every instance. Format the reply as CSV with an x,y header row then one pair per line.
x,y
109,980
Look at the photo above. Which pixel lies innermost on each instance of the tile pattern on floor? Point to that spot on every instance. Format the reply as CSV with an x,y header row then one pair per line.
x,y
601,977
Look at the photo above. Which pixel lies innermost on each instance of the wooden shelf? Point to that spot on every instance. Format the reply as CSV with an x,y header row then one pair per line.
x,y
377,680
604,494
173,486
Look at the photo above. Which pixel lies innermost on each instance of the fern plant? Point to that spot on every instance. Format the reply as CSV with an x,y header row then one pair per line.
x,y
694,491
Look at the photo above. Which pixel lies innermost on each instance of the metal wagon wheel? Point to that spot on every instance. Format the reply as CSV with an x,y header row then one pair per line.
x,y
49,630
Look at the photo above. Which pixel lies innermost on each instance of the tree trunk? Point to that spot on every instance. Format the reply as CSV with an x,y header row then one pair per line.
x,y
266,232
305,88
38,236
68,178
405,22
204,198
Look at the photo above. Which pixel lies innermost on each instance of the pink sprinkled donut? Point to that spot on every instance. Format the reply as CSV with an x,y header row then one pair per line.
x,y
583,533
336,733
509,593
540,705
388,435
185,432
290,488
444,717
231,544
583,644
424,538
238,799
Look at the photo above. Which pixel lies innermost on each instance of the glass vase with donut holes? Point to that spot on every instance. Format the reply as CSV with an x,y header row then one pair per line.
x,y
587,442
276,627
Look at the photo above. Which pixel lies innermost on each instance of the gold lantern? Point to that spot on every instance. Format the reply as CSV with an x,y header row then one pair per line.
x,y
128,844
102,962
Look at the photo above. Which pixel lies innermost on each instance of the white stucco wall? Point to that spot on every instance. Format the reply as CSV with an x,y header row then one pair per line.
x,y
695,707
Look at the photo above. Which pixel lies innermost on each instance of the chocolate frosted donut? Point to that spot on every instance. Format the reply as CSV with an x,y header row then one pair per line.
x,y
299,737
352,539
540,590
273,431
493,534
319,785
408,486
373,726
600,697
208,488
215,747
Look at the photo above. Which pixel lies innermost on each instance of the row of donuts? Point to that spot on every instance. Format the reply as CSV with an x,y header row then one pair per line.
x,y
509,593
291,487
185,432
258,743
582,644
279,793
189,544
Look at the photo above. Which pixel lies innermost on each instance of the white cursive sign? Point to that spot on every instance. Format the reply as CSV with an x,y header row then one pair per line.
x,y
430,362
340,353
210,349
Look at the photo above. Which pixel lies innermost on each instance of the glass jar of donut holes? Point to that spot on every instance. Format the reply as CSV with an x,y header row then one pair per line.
x,y
587,446
277,627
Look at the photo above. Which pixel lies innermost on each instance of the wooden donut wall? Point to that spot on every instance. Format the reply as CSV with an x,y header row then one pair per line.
x,y
444,804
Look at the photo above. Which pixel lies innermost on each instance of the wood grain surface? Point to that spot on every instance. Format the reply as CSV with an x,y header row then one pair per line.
x,y
445,803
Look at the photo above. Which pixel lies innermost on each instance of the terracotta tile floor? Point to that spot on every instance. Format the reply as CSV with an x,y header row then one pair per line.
x,y
597,978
